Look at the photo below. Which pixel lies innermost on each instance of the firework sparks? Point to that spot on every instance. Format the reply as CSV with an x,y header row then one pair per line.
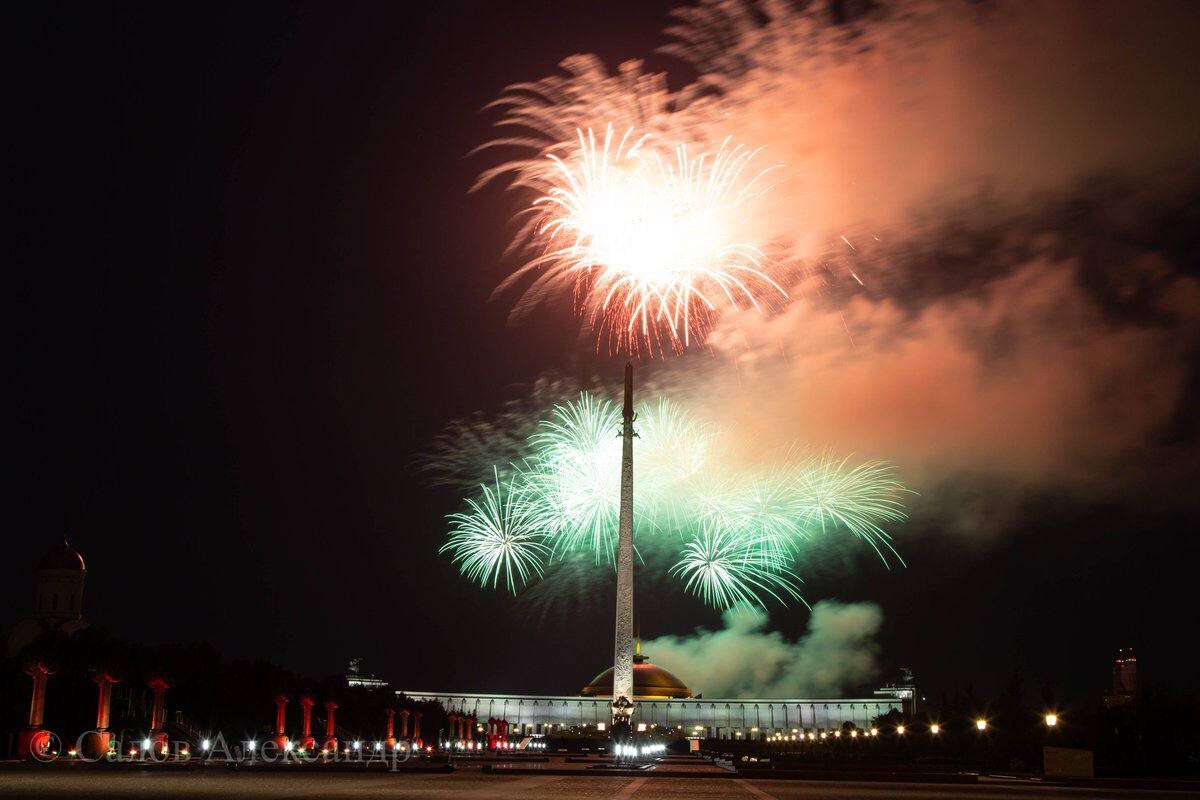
x,y
765,510
496,538
725,568
859,498
647,239
732,535
574,474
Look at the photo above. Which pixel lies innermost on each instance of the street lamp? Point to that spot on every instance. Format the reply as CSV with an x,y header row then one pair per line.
x,y
1051,720
981,724
935,729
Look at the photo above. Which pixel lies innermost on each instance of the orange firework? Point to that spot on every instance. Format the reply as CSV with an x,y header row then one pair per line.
x,y
648,238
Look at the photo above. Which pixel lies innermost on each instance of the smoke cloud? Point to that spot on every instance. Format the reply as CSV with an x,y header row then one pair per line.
x,y
920,102
1029,378
994,202
838,654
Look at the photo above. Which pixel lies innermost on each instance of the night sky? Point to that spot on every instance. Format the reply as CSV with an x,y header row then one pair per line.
x,y
251,287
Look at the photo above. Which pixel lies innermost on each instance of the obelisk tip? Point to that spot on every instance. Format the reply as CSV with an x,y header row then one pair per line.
x,y
628,409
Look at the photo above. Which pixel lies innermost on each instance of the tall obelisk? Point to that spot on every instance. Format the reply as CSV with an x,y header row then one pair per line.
x,y
623,655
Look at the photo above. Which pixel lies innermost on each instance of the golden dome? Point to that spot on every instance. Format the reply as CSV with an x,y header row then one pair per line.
x,y
650,682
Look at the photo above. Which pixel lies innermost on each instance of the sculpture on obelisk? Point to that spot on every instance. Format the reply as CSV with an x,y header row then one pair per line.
x,y
623,656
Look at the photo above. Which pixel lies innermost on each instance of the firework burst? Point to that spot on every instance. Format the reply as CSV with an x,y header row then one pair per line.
x,y
726,568
497,538
573,474
830,493
649,240
733,535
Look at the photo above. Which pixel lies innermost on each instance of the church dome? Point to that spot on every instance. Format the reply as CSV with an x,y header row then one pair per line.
x,y
62,556
650,682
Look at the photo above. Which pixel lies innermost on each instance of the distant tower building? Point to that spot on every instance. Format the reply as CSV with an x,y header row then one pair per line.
x,y
905,689
356,677
57,598
1124,679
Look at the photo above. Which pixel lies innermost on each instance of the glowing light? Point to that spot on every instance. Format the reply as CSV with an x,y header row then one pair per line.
x,y
981,724
900,729
935,729
647,238
1051,720
288,746
147,744
205,744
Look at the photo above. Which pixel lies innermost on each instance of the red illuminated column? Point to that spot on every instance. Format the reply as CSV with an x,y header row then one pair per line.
x,y
34,740
417,726
453,732
158,713
306,738
280,738
404,712
471,728
97,742
390,739
331,741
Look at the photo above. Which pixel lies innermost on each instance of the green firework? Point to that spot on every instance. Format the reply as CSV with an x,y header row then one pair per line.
x,y
497,538
734,534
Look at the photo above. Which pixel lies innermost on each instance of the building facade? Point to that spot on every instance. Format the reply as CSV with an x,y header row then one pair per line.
x,y
534,715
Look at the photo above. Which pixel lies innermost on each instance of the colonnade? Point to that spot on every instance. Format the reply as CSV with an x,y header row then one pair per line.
x,y
35,741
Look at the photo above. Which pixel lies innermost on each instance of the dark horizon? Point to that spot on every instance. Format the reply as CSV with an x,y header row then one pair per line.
x,y
253,289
